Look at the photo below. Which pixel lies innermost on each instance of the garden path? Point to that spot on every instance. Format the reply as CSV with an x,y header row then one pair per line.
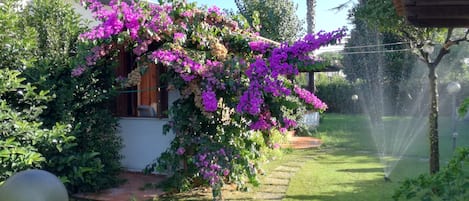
x,y
275,186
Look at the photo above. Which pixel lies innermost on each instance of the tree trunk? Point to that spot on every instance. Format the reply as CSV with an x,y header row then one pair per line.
x,y
310,15
310,22
433,121
311,86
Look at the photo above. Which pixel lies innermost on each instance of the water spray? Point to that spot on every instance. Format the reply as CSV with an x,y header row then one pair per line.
x,y
386,178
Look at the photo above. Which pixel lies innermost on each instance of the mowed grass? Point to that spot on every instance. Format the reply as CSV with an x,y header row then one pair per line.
x,y
340,175
348,167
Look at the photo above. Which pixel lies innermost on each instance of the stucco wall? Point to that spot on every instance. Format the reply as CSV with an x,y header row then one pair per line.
x,y
143,139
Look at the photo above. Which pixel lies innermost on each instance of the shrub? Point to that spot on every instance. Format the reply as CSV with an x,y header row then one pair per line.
x,y
451,183
84,103
337,92
40,41
22,140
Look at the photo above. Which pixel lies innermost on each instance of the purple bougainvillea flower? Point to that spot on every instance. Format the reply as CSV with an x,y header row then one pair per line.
x,y
209,101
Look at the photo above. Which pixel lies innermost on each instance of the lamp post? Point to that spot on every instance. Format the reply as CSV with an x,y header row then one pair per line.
x,y
453,88
354,99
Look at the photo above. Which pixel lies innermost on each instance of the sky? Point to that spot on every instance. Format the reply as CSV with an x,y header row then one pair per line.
x,y
326,19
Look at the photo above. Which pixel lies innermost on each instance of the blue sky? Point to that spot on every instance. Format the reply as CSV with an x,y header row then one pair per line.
x,y
326,19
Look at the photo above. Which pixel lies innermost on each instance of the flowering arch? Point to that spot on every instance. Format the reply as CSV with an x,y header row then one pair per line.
x,y
231,82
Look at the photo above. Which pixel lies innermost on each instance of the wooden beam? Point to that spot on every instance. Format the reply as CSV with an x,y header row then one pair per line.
x,y
437,2
445,12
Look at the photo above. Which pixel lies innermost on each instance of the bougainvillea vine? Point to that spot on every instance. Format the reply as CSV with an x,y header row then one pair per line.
x,y
231,81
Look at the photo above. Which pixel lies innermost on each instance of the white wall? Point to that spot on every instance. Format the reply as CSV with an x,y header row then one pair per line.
x,y
85,14
143,139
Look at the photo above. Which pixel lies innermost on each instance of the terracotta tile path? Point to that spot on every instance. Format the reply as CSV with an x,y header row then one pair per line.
x,y
135,182
132,188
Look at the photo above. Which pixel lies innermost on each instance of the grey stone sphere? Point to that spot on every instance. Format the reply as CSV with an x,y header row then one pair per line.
x,y
33,185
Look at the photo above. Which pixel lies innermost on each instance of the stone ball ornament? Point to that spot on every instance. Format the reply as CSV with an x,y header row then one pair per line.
x,y
33,185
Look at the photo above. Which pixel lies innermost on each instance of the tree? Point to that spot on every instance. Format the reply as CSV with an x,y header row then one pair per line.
x,y
311,24
310,15
431,45
277,18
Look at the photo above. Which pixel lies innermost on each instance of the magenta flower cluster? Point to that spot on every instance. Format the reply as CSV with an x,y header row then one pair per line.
x,y
289,123
126,17
78,71
180,151
214,10
259,46
182,64
264,73
120,16
179,37
310,98
251,101
265,122
210,166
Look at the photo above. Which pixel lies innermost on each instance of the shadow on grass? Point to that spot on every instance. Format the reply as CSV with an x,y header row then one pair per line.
x,y
361,188
362,170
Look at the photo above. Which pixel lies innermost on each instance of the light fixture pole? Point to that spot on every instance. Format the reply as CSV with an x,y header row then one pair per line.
x,y
453,88
354,99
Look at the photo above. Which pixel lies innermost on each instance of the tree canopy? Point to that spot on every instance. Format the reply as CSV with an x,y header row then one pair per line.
x,y
277,18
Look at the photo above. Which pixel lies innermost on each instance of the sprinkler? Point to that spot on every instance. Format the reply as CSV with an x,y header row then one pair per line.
x,y
387,179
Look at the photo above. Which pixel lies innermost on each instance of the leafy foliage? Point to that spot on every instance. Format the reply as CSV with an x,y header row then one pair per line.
x,y
451,183
22,140
84,154
83,103
277,18
338,92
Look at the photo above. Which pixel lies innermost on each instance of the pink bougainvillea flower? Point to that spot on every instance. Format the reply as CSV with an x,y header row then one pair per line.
x,y
180,151
259,46
78,71
179,37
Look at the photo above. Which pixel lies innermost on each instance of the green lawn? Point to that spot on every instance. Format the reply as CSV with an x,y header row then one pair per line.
x,y
348,167
340,175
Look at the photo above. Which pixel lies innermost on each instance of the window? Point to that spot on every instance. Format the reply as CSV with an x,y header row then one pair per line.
x,y
149,98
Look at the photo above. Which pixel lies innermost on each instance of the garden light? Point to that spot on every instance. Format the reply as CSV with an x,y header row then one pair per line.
x,y
33,185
